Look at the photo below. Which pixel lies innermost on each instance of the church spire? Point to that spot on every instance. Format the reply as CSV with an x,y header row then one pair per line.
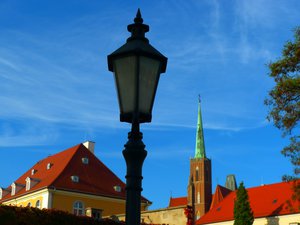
x,y
200,147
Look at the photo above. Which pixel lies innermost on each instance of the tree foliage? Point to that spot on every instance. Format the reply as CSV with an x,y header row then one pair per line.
x,y
284,98
243,214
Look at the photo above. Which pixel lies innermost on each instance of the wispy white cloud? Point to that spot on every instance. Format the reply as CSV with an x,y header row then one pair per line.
x,y
33,135
61,76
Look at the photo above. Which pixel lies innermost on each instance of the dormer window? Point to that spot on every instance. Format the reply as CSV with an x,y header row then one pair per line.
x,y
15,187
49,165
33,171
75,179
27,183
30,182
3,192
117,188
85,160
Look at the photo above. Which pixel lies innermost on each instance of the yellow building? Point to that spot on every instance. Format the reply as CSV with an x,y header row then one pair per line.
x,y
73,180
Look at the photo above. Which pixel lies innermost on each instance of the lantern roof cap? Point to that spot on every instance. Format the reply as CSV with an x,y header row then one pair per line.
x,y
138,29
138,45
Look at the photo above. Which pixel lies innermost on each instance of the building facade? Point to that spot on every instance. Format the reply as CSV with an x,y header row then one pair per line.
x,y
73,180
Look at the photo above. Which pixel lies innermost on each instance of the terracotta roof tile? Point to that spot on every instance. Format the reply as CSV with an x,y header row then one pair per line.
x,y
220,193
94,177
181,201
268,200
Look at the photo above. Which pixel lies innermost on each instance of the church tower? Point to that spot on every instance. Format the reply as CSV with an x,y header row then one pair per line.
x,y
200,185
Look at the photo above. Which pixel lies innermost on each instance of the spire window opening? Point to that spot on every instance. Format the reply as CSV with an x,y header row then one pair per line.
x,y
197,173
198,197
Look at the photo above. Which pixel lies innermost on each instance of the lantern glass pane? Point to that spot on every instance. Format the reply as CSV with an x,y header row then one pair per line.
x,y
125,78
148,80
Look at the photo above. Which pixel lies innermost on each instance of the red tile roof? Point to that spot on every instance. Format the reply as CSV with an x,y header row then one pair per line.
x,y
268,200
175,202
94,178
220,193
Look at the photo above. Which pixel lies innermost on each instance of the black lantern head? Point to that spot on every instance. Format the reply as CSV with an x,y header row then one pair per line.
x,y
137,67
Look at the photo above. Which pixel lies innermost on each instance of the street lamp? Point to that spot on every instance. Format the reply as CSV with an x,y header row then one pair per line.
x,y
137,67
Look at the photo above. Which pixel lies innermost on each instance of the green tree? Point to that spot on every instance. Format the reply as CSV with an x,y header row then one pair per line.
x,y
284,99
243,214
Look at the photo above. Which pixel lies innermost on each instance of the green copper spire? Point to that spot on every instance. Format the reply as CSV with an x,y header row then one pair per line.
x,y
200,147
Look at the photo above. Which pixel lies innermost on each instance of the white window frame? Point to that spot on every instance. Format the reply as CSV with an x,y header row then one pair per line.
x,y
49,165
33,171
78,208
27,184
13,189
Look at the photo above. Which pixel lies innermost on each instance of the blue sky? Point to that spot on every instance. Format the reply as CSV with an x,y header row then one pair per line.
x,y
56,90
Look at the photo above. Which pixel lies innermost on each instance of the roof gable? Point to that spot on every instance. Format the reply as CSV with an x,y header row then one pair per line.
x,y
56,171
94,177
220,193
268,200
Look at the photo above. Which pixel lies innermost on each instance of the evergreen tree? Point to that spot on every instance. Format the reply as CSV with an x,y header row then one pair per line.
x,y
243,214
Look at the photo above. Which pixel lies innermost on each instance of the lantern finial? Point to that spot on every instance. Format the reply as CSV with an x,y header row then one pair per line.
x,y
138,18
138,29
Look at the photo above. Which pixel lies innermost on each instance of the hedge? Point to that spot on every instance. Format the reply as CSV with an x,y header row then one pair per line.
x,y
12,215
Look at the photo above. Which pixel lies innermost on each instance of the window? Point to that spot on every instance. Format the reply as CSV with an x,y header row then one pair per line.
x,y
33,171
49,165
38,204
27,184
198,215
94,213
13,189
85,160
30,182
197,173
75,179
78,208
3,192
198,197
117,188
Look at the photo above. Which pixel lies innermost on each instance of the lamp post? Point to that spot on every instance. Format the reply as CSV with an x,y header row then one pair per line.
x,y
137,67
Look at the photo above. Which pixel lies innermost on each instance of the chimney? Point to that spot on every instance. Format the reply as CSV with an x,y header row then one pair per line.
x,y
90,145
